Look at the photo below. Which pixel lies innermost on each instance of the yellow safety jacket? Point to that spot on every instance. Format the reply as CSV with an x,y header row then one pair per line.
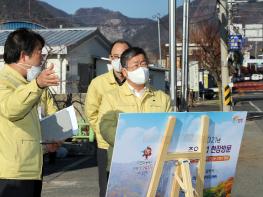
x,y
123,100
97,88
20,135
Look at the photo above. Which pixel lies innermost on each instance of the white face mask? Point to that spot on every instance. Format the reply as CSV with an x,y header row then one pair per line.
x,y
33,72
139,76
109,66
116,64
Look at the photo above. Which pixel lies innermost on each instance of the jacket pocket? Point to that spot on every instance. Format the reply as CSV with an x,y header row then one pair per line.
x,y
156,108
29,155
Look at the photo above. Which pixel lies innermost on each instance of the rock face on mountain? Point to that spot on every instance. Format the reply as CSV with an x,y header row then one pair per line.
x,y
114,25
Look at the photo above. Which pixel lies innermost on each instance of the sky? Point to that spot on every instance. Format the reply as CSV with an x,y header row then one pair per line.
x,y
130,8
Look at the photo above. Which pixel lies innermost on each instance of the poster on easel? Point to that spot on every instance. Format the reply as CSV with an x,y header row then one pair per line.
x,y
138,138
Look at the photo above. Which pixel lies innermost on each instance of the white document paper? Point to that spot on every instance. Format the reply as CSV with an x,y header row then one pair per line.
x,y
59,126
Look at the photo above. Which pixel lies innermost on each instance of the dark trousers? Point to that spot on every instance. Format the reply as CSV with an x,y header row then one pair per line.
x,y
52,157
20,188
102,160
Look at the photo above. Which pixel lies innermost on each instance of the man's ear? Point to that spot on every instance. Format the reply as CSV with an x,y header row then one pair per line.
x,y
23,56
124,72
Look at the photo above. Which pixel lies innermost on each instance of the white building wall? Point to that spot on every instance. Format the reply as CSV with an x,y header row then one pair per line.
x,y
85,53
253,32
60,64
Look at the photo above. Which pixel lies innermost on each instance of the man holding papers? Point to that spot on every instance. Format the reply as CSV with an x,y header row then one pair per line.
x,y
23,82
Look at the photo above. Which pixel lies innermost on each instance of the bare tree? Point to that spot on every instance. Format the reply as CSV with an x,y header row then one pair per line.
x,y
207,37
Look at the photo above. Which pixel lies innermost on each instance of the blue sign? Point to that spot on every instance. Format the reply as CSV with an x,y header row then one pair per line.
x,y
235,42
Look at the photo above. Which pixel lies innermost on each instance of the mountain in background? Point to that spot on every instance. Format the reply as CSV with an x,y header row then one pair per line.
x,y
141,32
35,11
113,25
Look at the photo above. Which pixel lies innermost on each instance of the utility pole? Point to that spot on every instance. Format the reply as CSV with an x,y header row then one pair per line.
x,y
224,50
157,16
172,53
185,63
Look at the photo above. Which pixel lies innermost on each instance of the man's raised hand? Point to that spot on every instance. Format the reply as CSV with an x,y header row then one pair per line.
x,y
47,78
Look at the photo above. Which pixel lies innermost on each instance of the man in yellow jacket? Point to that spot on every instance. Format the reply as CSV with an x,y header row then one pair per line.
x,y
22,85
135,95
97,88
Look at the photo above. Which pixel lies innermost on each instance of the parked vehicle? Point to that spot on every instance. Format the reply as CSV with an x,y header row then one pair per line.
x,y
208,93
256,77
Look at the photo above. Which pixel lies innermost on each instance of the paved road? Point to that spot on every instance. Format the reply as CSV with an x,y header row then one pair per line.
x,y
77,176
74,176
249,101
249,177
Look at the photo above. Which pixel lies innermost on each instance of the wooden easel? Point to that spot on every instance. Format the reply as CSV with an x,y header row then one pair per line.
x,y
182,178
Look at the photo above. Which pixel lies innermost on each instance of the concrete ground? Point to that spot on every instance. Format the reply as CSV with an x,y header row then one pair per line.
x,y
73,176
249,175
77,176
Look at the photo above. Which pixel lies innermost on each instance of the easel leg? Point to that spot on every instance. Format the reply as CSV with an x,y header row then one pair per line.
x,y
175,184
182,179
187,179
200,178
